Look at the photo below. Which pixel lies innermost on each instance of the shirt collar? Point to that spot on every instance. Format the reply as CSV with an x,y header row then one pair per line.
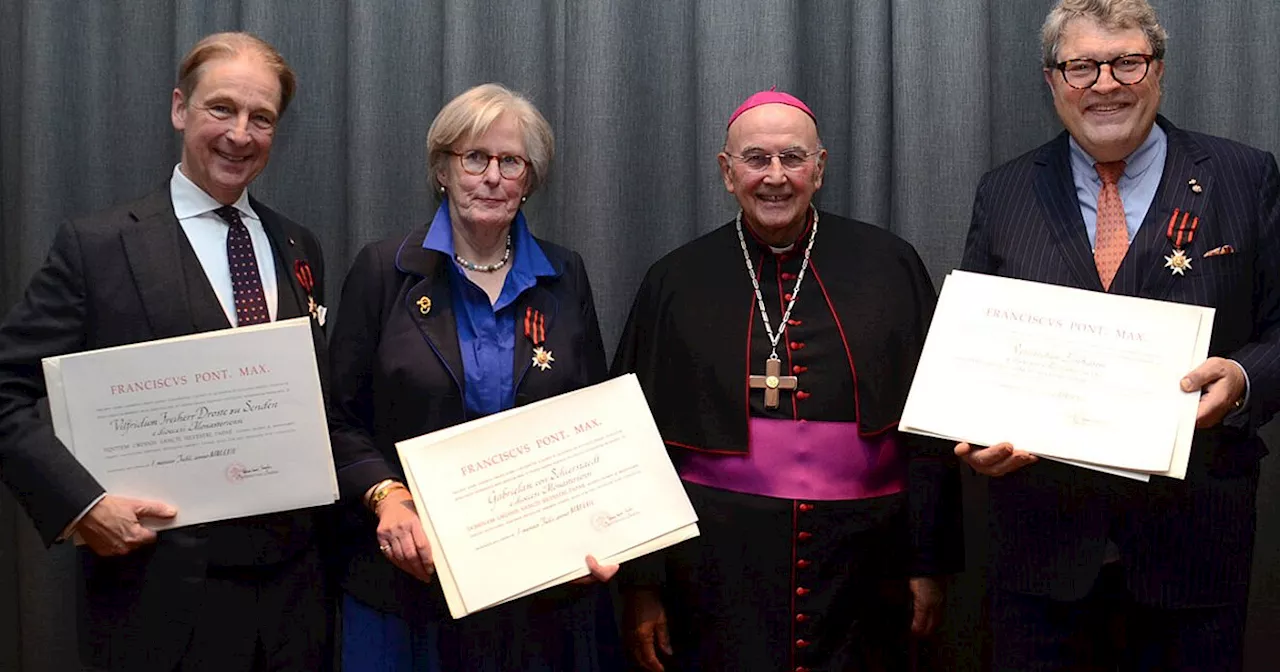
x,y
1135,164
190,200
527,257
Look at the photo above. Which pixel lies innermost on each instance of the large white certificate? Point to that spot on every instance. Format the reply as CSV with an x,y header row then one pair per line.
x,y
512,503
222,424
1069,374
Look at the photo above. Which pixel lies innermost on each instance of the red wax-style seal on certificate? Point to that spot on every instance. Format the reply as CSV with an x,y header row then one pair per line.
x,y
235,472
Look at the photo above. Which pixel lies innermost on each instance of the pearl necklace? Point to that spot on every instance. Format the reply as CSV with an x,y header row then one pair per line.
x,y
486,268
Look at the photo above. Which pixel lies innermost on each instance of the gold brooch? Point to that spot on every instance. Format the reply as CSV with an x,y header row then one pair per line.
x,y
542,358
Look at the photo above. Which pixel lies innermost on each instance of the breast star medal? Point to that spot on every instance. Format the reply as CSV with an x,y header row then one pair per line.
x,y
542,358
535,329
1181,231
1178,263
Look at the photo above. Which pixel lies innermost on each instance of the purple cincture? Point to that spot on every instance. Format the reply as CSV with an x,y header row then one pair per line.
x,y
814,460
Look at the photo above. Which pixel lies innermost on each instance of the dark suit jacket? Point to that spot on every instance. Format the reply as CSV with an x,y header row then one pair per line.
x,y
397,374
129,275
1183,543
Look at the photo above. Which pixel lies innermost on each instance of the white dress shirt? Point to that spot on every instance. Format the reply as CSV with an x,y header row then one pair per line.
x,y
207,233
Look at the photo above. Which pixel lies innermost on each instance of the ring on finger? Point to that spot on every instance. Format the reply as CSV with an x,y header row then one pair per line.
x,y
385,548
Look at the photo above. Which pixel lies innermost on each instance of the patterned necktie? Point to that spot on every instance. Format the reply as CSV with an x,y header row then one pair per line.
x,y
1112,233
246,284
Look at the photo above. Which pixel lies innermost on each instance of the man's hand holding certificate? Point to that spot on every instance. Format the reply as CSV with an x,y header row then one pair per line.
x,y
221,424
514,502
1083,377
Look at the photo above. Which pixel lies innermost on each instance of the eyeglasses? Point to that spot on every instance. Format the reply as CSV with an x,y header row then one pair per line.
x,y
1127,69
476,162
791,159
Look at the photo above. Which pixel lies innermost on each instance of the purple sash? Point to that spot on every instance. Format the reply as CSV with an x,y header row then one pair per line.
x,y
803,459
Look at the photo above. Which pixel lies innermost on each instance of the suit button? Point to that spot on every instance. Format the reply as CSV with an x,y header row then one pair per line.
x,y
801,618
805,508
802,564
801,643
802,591
804,536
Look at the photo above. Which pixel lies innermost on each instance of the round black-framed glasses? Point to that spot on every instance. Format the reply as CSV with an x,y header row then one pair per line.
x,y
1126,69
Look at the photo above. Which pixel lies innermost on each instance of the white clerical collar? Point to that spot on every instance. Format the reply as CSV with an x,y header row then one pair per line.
x,y
190,200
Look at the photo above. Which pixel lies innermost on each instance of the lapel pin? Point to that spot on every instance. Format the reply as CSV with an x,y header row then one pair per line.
x,y
424,305
1195,186
291,243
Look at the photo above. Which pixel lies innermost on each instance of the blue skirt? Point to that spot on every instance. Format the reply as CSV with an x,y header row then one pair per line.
x,y
569,628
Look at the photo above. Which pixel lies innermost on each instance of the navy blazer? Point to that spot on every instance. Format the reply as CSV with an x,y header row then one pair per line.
x,y
397,373
129,275
1183,543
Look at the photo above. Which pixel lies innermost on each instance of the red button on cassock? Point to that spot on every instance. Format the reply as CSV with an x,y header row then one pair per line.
x,y
788,276
804,536
801,618
802,564
802,669
795,323
797,369
797,345
802,395
786,297
806,507
800,643
802,591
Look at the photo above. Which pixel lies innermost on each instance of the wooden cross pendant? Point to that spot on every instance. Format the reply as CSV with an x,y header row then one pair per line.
x,y
772,381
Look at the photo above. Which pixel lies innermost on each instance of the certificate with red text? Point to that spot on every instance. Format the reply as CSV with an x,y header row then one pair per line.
x,y
1069,374
221,424
513,503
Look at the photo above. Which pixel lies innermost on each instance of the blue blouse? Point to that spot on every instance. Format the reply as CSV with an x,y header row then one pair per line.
x,y
487,332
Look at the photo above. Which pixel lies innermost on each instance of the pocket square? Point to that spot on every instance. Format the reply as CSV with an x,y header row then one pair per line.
x,y
1219,251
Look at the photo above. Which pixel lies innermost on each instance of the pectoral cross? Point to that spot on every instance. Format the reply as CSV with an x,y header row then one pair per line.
x,y
772,381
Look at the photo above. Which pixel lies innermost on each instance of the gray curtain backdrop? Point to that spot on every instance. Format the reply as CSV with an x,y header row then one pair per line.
x,y
916,99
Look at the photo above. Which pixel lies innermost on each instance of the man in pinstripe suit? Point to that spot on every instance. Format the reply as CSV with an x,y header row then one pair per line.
x,y
1091,571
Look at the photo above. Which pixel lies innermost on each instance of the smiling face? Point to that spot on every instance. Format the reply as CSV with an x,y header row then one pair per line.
x,y
1109,120
228,124
488,199
774,201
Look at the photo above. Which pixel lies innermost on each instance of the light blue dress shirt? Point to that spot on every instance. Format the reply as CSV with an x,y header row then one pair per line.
x,y
1142,172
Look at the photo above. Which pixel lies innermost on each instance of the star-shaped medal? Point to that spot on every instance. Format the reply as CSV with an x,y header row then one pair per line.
x,y
1178,263
542,358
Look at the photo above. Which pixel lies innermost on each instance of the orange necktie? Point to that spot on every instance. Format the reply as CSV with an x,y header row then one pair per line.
x,y
1112,234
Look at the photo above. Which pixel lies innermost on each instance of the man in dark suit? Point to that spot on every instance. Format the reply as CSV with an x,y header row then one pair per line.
x,y
240,595
1094,571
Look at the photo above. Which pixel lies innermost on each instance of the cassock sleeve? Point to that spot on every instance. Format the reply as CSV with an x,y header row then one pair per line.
x,y
933,475
49,320
637,353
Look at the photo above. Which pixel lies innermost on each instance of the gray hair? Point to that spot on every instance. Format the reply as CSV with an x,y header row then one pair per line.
x,y
472,113
1113,14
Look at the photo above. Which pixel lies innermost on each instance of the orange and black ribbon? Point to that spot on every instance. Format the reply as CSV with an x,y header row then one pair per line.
x,y
1182,228
302,271
535,327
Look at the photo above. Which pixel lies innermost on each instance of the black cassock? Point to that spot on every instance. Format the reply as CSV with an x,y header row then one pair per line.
x,y
777,583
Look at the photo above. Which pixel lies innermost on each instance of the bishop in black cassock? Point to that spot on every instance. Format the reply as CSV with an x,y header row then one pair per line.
x,y
822,525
